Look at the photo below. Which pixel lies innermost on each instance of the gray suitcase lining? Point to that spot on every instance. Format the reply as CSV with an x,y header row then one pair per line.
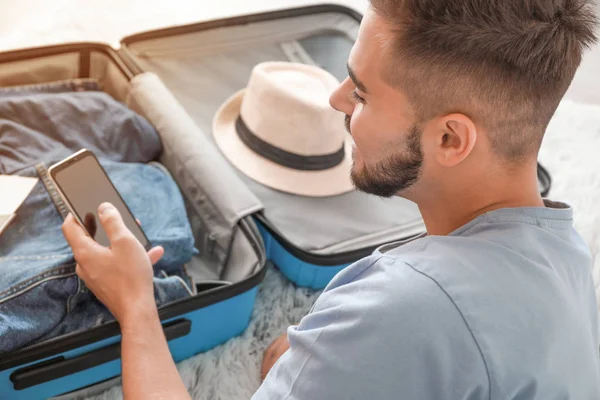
x,y
204,68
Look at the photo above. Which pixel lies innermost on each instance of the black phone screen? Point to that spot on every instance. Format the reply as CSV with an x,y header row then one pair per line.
x,y
86,185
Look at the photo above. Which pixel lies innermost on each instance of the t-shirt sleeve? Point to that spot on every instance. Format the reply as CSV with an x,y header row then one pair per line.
x,y
389,332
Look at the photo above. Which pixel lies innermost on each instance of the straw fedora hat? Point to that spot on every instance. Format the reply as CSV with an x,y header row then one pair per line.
x,y
281,131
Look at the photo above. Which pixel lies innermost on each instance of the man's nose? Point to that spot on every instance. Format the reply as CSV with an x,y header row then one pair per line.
x,y
340,98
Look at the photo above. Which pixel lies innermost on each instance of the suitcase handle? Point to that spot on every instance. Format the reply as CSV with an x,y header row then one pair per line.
x,y
59,367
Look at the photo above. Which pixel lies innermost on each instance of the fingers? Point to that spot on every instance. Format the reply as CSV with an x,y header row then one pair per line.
x,y
273,353
138,222
80,242
112,222
155,254
267,363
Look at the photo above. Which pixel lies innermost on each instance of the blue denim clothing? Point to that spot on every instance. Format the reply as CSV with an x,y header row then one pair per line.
x,y
46,123
40,295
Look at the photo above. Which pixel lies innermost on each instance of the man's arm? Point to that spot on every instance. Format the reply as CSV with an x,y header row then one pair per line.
x,y
121,277
148,369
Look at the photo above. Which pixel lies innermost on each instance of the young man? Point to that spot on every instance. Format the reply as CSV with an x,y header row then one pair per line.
x,y
447,102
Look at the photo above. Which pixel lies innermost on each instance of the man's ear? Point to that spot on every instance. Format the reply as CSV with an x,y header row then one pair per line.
x,y
455,136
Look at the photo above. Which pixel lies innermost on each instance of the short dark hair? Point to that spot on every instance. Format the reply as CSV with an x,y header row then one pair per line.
x,y
504,63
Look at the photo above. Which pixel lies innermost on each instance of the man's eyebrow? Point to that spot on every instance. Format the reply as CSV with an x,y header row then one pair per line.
x,y
357,83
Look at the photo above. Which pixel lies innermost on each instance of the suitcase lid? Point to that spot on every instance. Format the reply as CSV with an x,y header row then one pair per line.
x,y
205,63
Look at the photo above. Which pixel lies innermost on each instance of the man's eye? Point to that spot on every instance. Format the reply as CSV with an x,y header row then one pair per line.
x,y
355,97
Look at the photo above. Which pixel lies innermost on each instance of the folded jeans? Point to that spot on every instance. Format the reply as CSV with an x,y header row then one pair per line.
x,y
40,295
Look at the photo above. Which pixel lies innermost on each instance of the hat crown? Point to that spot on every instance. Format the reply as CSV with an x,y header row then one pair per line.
x,y
287,106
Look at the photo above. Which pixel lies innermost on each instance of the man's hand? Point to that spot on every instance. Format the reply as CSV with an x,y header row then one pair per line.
x,y
120,276
273,353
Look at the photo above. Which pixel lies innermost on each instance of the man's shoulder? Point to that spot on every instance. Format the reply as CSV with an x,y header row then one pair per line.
x,y
387,293
411,263
403,328
429,276
490,253
394,283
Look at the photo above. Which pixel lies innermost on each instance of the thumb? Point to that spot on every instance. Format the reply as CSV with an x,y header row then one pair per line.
x,y
112,222
155,254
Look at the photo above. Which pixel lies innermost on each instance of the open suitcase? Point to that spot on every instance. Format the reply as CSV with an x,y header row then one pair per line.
x,y
231,248
177,78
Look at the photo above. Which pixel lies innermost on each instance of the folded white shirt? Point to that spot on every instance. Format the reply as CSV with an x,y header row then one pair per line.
x,y
13,192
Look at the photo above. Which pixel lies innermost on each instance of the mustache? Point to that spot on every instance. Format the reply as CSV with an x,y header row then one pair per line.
x,y
347,121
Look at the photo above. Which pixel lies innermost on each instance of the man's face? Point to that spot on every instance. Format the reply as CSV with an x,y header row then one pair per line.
x,y
387,155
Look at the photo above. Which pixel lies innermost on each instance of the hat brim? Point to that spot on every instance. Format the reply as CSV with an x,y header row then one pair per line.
x,y
329,182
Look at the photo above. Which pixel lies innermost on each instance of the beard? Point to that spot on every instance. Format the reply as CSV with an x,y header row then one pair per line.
x,y
394,174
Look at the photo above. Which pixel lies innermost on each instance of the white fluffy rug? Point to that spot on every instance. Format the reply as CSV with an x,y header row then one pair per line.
x,y
231,371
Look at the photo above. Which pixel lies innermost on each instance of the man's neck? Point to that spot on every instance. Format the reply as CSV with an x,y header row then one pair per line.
x,y
451,209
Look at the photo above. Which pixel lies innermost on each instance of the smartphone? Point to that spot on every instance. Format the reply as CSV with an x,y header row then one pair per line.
x,y
83,185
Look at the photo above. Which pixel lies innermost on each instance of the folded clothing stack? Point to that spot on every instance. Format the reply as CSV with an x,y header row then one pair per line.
x,y
40,295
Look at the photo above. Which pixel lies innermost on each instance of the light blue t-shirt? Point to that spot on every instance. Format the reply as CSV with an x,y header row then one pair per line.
x,y
502,308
